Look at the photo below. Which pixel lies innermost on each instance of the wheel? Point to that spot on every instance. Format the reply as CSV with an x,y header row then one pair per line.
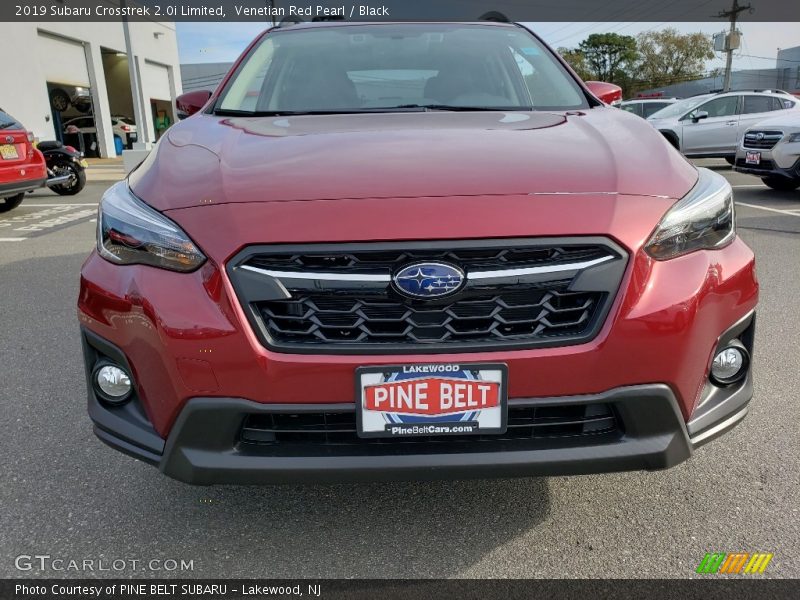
x,y
730,160
11,203
672,139
77,179
59,99
781,183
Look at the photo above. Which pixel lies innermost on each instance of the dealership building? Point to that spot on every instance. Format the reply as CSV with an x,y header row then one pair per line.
x,y
66,80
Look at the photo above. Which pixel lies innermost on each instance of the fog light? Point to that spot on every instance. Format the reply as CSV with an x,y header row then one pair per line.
x,y
730,365
112,383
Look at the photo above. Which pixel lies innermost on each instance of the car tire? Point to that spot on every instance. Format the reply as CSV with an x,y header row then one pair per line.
x,y
59,100
783,184
11,203
730,160
672,139
73,187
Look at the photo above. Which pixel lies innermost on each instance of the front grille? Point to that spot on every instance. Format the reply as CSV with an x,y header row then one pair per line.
x,y
764,165
762,140
529,427
319,318
339,298
391,260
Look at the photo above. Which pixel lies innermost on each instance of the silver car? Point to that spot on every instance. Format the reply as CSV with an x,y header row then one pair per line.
x,y
645,107
711,125
771,150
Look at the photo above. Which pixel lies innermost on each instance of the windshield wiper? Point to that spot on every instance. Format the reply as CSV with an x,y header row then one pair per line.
x,y
223,112
458,108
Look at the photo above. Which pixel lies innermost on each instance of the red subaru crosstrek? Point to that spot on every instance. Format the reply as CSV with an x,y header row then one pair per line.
x,y
413,251
22,167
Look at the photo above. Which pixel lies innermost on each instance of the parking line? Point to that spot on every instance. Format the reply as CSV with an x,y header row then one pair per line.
x,y
13,239
777,210
57,205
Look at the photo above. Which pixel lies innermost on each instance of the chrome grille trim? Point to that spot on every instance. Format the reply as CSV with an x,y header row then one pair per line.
x,y
386,278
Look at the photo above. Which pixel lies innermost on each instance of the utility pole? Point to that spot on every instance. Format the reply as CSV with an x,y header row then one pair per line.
x,y
731,15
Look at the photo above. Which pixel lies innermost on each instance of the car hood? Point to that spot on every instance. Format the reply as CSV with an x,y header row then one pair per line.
x,y
209,160
788,120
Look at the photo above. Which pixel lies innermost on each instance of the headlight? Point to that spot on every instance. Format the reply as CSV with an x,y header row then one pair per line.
x,y
703,219
129,232
792,137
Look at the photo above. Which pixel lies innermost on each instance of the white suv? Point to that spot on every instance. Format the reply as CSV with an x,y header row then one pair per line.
x,y
711,125
771,150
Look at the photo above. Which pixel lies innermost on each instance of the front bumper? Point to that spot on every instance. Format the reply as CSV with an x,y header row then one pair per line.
x,y
194,356
207,444
770,165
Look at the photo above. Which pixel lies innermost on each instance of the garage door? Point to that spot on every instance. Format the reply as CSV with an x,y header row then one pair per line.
x,y
155,81
62,60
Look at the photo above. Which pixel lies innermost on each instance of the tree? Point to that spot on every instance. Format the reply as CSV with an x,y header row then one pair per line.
x,y
574,58
607,55
667,57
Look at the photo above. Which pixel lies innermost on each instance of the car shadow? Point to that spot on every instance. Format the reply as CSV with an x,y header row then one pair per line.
x,y
372,530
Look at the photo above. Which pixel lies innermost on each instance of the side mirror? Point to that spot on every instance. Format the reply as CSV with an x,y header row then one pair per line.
x,y
192,102
701,114
607,92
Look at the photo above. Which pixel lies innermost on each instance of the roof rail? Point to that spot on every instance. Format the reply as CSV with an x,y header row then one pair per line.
x,y
289,21
759,90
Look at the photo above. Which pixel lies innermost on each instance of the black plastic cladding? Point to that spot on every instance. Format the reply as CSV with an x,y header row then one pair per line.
x,y
564,309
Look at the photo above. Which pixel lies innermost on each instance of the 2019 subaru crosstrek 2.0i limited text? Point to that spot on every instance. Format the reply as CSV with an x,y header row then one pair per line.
x,y
413,251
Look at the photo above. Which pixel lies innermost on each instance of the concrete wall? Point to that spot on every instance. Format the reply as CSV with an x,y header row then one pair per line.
x,y
788,58
25,95
784,79
203,76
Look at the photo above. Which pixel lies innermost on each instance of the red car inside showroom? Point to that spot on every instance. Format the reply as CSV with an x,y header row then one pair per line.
x,y
414,251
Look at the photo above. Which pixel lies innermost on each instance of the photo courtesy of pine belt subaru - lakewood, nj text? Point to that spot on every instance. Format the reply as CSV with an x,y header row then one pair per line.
x,y
414,251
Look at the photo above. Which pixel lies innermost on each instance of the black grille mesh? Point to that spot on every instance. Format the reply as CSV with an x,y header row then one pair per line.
x,y
522,304
526,424
496,315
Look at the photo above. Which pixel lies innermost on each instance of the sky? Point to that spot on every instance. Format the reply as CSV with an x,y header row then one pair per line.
x,y
223,42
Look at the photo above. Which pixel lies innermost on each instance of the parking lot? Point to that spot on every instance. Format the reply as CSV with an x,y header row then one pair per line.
x,y
66,495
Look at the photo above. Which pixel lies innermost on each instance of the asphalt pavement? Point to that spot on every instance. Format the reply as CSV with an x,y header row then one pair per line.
x,y
66,495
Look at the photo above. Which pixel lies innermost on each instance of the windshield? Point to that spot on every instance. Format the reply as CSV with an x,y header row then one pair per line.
x,y
680,108
9,122
384,67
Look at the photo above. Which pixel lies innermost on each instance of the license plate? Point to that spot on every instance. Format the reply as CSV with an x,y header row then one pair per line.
x,y
753,158
431,400
8,152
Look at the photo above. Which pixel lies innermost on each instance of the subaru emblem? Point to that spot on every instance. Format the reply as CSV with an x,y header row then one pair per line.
x,y
428,280
9,138
759,136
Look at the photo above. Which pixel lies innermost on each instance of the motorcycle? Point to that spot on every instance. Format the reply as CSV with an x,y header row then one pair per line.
x,y
66,168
